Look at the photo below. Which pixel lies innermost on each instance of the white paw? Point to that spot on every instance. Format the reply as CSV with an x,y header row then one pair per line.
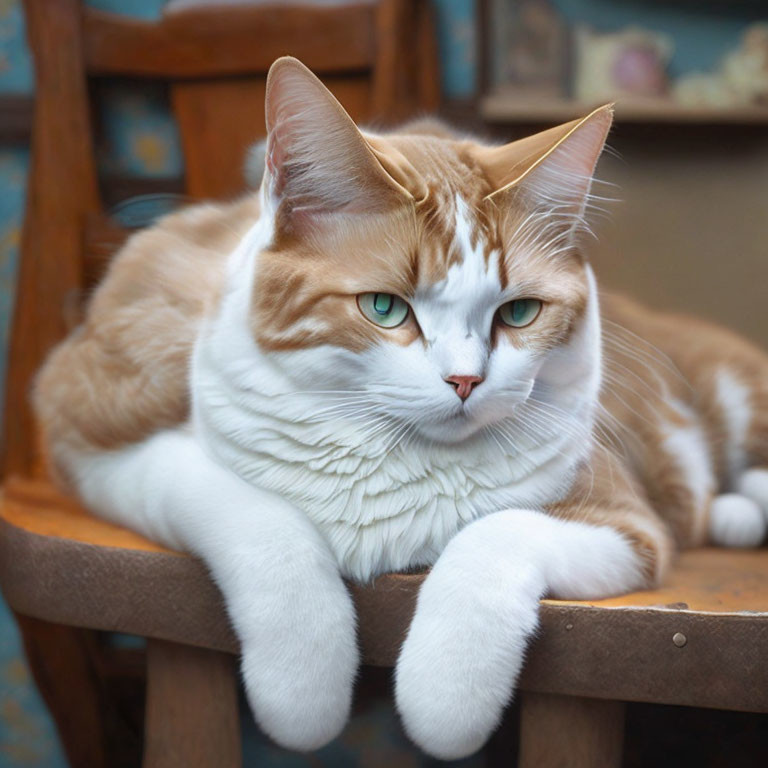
x,y
455,676
754,485
299,662
736,521
461,659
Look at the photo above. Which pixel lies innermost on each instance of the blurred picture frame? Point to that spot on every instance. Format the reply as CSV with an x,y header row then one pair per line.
x,y
529,48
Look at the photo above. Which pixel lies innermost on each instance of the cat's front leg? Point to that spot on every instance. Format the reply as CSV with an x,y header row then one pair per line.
x,y
288,604
478,608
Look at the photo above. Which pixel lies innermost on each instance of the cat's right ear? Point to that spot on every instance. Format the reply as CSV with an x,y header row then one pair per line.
x,y
317,161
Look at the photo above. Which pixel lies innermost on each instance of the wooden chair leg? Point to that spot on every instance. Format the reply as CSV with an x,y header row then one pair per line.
x,y
62,664
191,715
570,732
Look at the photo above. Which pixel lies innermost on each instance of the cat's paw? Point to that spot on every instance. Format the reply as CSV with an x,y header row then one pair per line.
x,y
464,650
299,662
736,521
450,709
754,485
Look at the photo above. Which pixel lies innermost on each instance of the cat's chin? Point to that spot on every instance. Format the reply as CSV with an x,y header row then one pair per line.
x,y
464,425
451,430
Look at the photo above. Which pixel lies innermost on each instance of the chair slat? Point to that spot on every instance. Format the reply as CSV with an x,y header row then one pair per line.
x,y
220,119
103,237
208,42
622,649
62,191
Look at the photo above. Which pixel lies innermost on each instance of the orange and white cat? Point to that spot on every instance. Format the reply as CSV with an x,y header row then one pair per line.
x,y
393,356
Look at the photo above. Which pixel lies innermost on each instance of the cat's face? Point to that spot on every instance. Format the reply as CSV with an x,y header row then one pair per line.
x,y
428,282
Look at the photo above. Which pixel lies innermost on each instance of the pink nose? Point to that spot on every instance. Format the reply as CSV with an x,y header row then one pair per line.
x,y
464,384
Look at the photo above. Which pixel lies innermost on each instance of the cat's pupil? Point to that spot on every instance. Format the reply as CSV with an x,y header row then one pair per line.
x,y
519,310
382,303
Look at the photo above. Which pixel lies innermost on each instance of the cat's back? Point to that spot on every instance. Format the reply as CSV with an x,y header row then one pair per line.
x,y
663,343
180,259
122,374
687,401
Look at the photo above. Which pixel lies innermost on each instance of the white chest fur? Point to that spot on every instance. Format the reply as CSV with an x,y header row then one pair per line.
x,y
380,506
384,498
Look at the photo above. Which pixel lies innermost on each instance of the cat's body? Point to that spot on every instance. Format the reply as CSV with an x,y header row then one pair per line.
x,y
225,395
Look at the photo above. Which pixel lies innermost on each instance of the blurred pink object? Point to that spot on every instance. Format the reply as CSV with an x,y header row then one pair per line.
x,y
638,70
629,62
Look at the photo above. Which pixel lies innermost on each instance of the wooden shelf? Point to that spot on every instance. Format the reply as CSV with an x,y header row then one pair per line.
x,y
507,108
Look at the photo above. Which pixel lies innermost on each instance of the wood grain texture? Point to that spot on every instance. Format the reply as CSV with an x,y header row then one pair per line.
x,y
38,506
570,732
209,110
406,73
706,580
103,237
389,56
621,648
62,191
209,42
703,580
62,663
630,654
428,63
191,716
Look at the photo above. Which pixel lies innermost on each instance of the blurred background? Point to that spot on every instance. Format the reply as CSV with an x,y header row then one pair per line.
x,y
688,229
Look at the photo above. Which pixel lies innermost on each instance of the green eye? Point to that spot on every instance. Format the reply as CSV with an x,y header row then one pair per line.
x,y
520,312
384,309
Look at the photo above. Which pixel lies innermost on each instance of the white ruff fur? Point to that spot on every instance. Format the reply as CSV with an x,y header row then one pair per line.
x,y
388,499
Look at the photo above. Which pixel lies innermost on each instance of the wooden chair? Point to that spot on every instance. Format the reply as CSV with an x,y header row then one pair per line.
x,y
700,641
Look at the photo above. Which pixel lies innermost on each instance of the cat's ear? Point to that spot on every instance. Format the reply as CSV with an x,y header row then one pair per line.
x,y
317,161
552,169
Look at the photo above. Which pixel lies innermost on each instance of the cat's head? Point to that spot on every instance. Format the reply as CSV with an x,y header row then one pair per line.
x,y
418,276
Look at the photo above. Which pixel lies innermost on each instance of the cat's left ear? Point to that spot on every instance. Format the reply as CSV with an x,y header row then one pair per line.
x,y
317,161
550,169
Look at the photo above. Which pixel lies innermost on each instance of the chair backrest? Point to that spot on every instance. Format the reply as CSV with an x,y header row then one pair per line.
x,y
377,56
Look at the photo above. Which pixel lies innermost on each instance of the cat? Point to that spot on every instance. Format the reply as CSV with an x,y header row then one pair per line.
x,y
393,355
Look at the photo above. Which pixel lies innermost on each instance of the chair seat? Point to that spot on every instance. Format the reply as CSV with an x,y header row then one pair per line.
x,y
701,640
